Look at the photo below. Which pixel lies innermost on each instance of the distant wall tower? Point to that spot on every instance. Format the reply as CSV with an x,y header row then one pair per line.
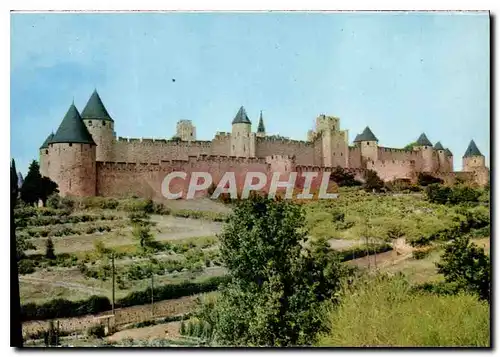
x,y
101,126
45,157
442,159
72,153
368,143
186,131
241,135
334,145
261,129
473,160
424,146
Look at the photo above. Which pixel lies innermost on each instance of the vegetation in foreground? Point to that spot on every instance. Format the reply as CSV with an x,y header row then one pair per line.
x,y
382,311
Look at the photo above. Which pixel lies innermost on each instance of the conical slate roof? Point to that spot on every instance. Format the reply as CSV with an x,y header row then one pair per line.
x,y
95,108
72,129
45,144
260,127
423,141
438,146
241,117
366,135
472,150
448,152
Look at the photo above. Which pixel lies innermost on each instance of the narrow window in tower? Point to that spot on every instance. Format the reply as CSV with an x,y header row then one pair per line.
x,y
103,123
46,151
233,147
244,148
70,144
367,144
90,122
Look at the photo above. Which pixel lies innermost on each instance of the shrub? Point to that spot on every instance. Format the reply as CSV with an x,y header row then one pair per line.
x,y
343,178
373,181
466,265
427,179
49,249
385,312
26,266
96,331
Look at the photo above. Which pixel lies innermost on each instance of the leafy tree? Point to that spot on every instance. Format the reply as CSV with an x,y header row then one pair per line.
x,y
176,138
427,179
36,187
49,249
141,230
466,266
410,146
438,194
279,281
343,177
372,181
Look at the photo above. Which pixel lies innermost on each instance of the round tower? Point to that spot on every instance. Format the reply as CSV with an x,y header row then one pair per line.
x,y
73,157
368,143
449,159
45,157
473,159
241,135
429,156
441,156
101,126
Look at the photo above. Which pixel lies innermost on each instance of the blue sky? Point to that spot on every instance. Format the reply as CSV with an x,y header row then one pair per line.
x,y
401,74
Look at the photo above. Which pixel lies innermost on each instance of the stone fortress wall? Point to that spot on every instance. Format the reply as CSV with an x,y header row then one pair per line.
x,y
115,166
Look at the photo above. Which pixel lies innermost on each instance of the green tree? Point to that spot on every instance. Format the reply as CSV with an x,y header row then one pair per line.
x,y
467,267
280,280
343,177
410,146
372,181
49,249
36,187
141,230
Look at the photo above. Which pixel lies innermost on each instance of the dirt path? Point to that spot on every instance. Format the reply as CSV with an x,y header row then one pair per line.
x,y
169,330
82,288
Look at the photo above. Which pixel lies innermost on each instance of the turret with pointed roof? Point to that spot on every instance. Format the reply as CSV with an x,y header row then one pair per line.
x,y
448,152
423,140
472,150
366,135
72,155
261,129
72,129
438,146
241,117
45,144
95,109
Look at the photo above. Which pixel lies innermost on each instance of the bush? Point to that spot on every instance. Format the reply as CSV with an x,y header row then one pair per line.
x,y
466,265
96,331
452,195
49,249
26,266
427,179
343,178
58,308
384,312
373,181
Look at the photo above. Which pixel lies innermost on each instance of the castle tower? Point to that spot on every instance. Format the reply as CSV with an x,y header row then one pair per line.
x,y
261,129
428,155
441,155
186,130
368,143
241,135
45,157
473,160
72,153
449,159
334,145
101,126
